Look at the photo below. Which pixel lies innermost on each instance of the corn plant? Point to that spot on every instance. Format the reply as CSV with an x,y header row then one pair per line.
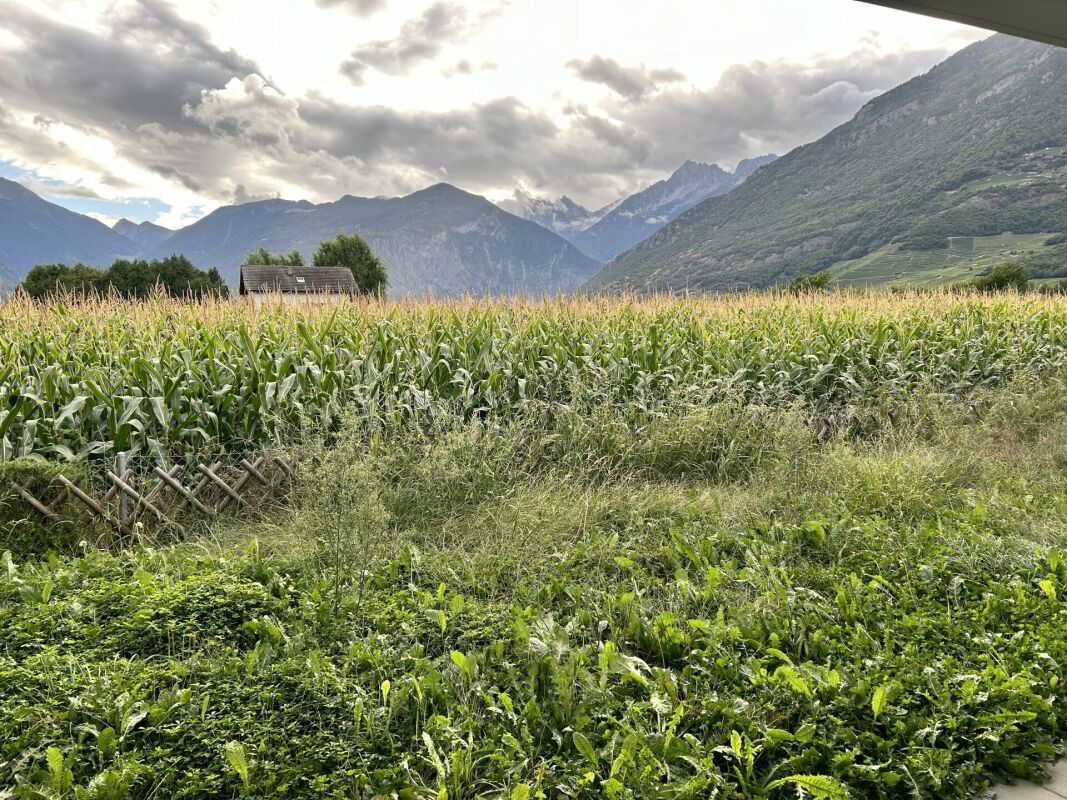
x,y
85,380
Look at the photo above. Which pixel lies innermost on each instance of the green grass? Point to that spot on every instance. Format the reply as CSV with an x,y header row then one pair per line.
x,y
888,266
696,601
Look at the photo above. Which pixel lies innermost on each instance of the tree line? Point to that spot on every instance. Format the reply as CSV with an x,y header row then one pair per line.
x,y
177,276
135,279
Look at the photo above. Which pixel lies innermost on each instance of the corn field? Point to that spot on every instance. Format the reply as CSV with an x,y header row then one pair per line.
x,y
85,380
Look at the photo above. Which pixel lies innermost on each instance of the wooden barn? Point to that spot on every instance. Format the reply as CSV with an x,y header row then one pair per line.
x,y
313,285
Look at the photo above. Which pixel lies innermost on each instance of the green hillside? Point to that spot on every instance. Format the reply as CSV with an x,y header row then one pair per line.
x,y
976,147
889,265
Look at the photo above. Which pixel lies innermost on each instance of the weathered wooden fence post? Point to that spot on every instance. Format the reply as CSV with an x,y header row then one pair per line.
x,y
124,502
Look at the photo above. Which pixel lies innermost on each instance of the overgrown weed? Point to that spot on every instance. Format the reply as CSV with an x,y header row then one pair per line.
x,y
682,602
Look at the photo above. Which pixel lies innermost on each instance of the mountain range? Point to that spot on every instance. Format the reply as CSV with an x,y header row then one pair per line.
x,y
34,231
144,234
439,241
975,147
617,227
640,215
563,216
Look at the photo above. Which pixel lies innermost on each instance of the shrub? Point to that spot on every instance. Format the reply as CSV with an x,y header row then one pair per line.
x,y
1060,287
815,282
1003,277
343,514
23,530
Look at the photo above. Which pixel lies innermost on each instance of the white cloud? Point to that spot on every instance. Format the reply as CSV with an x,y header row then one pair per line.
x,y
361,8
107,219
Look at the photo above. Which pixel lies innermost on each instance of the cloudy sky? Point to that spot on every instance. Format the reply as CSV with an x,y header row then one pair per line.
x,y
163,111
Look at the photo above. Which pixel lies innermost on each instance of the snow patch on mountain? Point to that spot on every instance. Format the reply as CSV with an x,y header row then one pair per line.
x,y
563,216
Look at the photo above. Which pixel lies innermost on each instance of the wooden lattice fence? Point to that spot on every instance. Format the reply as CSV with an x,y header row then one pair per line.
x,y
125,497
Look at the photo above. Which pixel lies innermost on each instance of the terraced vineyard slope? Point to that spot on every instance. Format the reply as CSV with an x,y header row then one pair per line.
x,y
890,265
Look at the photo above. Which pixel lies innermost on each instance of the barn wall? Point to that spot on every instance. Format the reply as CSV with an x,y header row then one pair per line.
x,y
302,299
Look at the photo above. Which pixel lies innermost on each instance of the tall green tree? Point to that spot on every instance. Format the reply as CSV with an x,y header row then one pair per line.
x,y
264,257
352,251
812,282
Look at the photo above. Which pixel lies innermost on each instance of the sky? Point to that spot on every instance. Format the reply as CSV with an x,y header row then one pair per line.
x,y
163,111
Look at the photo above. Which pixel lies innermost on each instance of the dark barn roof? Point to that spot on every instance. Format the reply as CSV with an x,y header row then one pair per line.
x,y
258,279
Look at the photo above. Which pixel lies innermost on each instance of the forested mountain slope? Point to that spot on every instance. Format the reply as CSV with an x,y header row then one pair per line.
x,y
977,146
642,214
439,241
34,231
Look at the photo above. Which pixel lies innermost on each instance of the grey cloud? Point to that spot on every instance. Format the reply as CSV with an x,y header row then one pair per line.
x,y
144,69
465,67
354,71
766,106
39,151
331,148
32,146
619,136
168,171
241,195
159,19
632,83
130,82
420,39
250,108
115,182
468,140
361,8
67,190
